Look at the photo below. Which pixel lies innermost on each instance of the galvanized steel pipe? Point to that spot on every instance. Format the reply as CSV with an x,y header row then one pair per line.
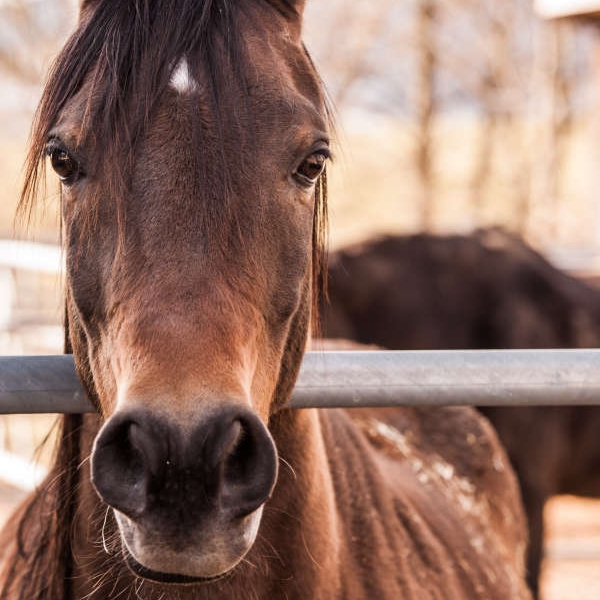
x,y
449,377
40,384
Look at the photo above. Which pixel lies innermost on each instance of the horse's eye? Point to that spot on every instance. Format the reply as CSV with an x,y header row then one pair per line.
x,y
65,166
311,167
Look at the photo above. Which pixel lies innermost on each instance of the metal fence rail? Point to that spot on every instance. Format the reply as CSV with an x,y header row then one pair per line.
x,y
41,384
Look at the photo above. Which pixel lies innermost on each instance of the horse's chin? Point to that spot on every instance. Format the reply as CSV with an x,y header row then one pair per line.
x,y
169,578
208,555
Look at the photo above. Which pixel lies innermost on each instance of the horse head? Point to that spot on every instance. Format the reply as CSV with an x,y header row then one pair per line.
x,y
190,139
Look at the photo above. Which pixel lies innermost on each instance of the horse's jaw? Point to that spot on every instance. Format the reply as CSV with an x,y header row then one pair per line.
x,y
207,555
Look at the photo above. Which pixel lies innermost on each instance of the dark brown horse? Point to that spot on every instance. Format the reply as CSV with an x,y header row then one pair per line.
x,y
190,138
487,290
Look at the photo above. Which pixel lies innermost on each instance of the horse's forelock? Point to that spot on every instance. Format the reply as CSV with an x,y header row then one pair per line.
x,y
126,51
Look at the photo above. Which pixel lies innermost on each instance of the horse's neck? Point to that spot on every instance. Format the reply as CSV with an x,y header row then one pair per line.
x,y
296,553
303,513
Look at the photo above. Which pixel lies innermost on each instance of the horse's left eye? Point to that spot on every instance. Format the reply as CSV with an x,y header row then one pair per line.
x,y
65,166
311,168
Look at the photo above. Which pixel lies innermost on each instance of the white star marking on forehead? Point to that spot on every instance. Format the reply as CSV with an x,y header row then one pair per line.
x,y
182,81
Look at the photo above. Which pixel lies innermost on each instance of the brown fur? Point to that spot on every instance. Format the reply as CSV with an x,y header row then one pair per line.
x,y
487,290
335,528
192,252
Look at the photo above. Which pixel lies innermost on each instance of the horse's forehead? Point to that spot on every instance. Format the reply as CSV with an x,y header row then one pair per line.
x,y
284,105
280,84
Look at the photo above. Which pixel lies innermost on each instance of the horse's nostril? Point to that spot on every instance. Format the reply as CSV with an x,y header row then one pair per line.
x,y
125,459
146,445
240,458
219,443
250,470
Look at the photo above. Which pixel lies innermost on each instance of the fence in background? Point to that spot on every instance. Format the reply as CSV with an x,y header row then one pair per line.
x,y
23,257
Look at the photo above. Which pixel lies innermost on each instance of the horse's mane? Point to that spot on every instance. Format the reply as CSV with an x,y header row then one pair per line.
x,y
41,567
126,52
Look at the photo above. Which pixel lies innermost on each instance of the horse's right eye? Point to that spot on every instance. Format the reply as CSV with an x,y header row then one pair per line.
x,y
65,166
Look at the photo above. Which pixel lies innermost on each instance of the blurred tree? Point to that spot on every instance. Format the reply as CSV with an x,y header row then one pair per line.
x,y
517,76
426,37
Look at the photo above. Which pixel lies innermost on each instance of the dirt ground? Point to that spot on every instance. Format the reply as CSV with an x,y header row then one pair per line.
x,y
572,564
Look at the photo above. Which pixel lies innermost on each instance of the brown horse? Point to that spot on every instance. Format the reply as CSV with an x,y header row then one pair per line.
x,y
190,138
486,290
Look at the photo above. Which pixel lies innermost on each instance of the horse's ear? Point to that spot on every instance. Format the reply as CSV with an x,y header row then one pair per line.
x,y
85,6
293,11
296,5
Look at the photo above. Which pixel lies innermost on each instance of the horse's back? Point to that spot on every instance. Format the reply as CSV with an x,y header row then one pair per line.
x,y
431,495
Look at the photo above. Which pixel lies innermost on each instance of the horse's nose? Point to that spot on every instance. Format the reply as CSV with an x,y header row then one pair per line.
x,y
147,468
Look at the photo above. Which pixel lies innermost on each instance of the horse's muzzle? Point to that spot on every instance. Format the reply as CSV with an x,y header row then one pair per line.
x,y
180,481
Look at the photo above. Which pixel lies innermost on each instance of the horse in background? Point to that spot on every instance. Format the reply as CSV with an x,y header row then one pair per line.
x,y
486,290
191,140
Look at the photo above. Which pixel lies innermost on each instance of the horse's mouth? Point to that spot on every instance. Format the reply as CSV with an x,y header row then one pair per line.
x,y
170,578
